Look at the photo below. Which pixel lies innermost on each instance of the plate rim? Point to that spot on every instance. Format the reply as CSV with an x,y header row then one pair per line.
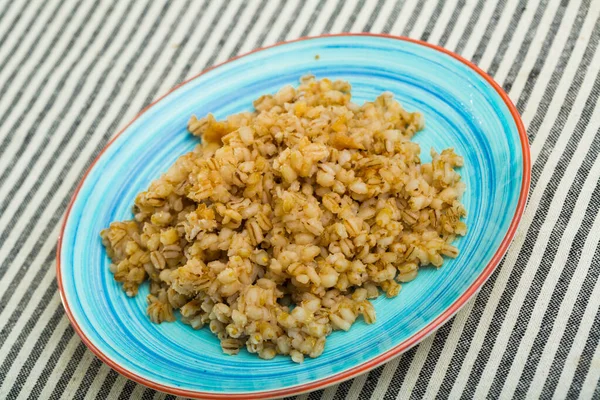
x,y
374,362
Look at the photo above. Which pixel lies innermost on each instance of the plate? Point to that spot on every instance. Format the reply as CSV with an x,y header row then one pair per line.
x,y
463,107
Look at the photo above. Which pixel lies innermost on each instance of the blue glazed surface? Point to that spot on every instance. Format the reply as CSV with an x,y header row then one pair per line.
x,y
461,110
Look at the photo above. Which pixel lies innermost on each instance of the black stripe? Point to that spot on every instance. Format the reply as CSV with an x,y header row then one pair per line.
x,y
108,383
573,325
53,359
6,9
426,373
269,25
333,17
31,50
88,377
413,18
374,14
249,27
44,237
559,291
148,394
484,294
585,359
40,117
43,59
393,17
342,390
491,27
395,384
555,237
548,40
211,28
173,60
393,389
43,339
137,86
354,15
28,25
509,33
557,74
464,38
127,390
126,72
452,22
64,202
433,20
313,18
75,358
293,17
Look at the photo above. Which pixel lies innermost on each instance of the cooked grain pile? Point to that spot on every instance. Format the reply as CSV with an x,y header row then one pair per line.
x,y
283,222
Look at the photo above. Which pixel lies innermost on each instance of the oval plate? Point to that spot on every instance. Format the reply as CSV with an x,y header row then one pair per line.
x,y
463,107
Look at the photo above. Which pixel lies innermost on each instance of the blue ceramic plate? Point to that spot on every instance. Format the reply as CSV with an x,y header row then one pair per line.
x,y
463,109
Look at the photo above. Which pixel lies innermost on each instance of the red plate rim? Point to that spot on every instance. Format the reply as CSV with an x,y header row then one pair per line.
x,y
374,362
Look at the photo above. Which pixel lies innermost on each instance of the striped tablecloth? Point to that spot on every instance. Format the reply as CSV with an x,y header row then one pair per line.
x,y
72,72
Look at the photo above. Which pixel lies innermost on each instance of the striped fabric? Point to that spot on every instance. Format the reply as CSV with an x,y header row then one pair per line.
x,y
73,72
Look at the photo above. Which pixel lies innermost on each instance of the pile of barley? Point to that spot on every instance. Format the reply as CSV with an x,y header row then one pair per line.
x,y
283,222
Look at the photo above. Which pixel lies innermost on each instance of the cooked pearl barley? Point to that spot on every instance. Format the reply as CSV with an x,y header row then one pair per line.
x,y
283,223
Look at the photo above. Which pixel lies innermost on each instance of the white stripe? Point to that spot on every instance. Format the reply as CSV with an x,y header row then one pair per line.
x,y
30,65
67,151
383,15
398,26
515,248
117,387
263,19
408,384
461,24
422,19
356,387
501,29
416,363
590,385
8,19
159,396
43,96
201,32
565,311
562,88
363,16
538,250
28,345
216,36
237,32
50,115
551,62
96,385
62,326
137,392
302,20
27,313
28,20
544,26
385,378
481,26
60,366
553,275
344,15
273,33
21,289
443,20
322,18
329,393
443,362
